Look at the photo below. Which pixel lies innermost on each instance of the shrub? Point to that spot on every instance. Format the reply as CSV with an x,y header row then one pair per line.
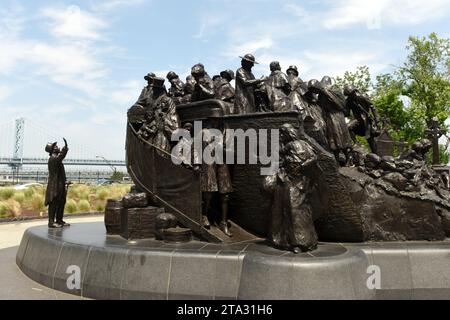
x,y
6,193
100,207
29,193
102,194
79,192
14,208
4,210
37,203
71,206
84,206
73,192
19,197
117,191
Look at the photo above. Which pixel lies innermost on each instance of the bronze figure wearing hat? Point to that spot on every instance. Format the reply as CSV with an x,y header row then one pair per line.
x,y
176,91
278,89
56,193
204,86
144,99
161,118
298,89
246,83
225,90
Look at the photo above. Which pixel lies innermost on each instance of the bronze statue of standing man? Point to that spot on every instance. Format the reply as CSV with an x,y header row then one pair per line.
x,y
55,197
244,101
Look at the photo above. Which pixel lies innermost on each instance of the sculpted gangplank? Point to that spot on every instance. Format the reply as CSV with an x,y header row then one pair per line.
x,y
324,189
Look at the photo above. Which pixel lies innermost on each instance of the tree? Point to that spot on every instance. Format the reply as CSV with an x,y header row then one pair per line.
x,y
387,97
117,176
360,79
426,76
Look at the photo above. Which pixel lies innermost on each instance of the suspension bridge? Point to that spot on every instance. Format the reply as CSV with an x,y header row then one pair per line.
x,y
21,146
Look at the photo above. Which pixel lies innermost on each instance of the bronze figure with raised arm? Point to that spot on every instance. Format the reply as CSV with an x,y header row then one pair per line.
x,y
55,197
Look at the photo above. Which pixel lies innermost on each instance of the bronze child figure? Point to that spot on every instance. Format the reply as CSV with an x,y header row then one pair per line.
x,y
55,197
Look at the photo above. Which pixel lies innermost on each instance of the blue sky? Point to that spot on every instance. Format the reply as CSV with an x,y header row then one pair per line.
x,y
77,66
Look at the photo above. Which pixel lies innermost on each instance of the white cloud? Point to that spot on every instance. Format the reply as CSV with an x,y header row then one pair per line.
x,y
374,14
323,61
127,94
70,65
73,60
209,23
72,22
115,4
336,62
252,46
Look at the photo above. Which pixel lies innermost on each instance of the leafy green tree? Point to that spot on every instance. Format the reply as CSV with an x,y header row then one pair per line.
x,y
360,79
426,79
426,76
117,176
386,96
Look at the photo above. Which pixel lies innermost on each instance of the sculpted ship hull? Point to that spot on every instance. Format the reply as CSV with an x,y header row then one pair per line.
x,y
348,206
178,189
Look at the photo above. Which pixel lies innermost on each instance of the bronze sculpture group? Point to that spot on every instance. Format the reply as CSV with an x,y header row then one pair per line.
x,y
311,153
323,110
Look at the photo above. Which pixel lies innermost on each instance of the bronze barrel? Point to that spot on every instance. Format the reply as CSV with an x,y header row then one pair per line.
x,y
112,216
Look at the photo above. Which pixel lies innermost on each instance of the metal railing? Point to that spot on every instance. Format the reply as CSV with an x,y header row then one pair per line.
x,y
69,162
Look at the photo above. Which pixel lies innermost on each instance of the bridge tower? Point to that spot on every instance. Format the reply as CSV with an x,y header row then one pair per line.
x,y
18,140
17,159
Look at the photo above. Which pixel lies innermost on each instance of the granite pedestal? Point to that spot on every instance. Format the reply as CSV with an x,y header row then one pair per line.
x,y
114,268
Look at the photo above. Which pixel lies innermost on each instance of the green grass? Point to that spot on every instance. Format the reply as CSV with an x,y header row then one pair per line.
x,y
80,198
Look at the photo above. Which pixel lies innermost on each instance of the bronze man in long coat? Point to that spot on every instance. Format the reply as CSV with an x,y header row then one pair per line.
x,y
55,197
244,101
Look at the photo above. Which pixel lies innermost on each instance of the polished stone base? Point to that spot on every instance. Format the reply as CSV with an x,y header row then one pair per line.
x,y
114,268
